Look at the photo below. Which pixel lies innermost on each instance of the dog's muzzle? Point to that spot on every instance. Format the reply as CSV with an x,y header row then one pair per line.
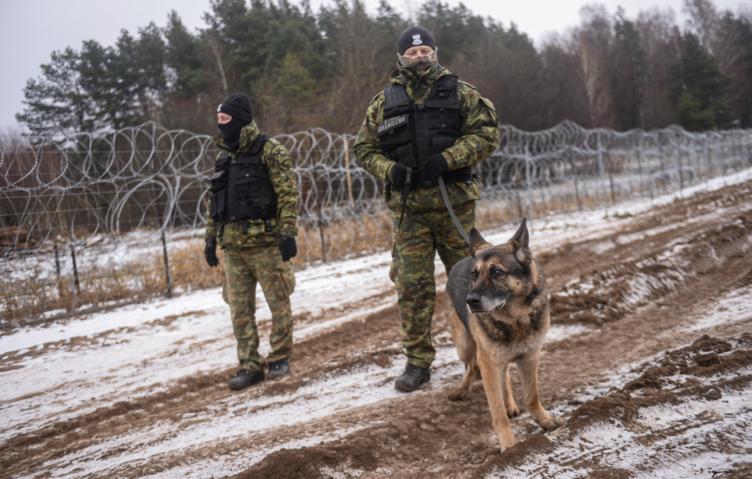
x,y
479,304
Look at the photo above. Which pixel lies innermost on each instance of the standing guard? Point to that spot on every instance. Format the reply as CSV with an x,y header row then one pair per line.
x,y
252,214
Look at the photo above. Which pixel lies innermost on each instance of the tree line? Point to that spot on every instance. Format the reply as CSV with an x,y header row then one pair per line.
x,y
306,69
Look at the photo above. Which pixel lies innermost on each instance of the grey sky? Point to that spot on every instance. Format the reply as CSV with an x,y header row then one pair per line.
x,y
31,29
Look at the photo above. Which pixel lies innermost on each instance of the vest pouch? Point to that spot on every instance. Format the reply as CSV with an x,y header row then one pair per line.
x,y
262,198
218,191
250,194
444,119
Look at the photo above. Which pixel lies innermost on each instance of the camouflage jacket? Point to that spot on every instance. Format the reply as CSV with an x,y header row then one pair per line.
x,y
253,232
480,137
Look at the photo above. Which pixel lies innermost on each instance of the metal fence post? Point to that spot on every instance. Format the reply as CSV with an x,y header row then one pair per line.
x,y
321,233
57,261
609,167
681,166
75,275
168,275
639,167
348,176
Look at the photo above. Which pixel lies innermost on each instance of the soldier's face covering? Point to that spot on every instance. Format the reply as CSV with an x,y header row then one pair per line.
x,y
231,132
418,62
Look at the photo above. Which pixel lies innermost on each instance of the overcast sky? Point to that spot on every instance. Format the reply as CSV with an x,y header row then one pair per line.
x,y
31,29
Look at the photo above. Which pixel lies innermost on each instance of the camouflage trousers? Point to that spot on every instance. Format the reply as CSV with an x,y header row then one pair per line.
x,y
415,246
244,267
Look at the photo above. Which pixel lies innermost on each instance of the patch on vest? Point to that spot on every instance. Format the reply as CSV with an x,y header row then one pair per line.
x,y
392,123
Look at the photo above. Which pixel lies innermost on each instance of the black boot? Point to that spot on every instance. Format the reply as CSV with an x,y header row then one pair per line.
x,y
244,378
412,378
279,368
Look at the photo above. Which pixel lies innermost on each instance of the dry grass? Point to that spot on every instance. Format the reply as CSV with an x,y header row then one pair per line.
x,y
26,300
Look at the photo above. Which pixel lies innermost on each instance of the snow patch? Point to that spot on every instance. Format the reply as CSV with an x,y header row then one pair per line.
x,y
734,307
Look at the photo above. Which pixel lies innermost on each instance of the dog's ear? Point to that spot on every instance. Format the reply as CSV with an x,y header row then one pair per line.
x,y
520,242
521,238
477,242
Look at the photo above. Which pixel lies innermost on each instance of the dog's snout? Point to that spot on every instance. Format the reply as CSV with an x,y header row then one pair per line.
x,y
473,300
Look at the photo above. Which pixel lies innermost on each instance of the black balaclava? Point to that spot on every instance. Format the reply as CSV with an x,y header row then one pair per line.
x,y
239,107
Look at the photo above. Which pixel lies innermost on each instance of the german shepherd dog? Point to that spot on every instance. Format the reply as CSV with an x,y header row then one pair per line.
x,y
502,317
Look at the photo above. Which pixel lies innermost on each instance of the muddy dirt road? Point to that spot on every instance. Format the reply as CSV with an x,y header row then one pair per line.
x,y
649,359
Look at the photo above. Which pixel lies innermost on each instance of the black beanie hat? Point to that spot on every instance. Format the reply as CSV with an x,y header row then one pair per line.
x,y
415,36
238,106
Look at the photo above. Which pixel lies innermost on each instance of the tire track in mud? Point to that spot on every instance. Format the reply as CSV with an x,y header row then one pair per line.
x,y
422,432
196,393
634,429
434,429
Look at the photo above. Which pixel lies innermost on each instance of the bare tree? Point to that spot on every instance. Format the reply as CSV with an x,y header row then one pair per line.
x,y
659,39
594,38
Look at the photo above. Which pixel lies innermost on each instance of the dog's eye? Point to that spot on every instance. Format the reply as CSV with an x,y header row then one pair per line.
x,y
496,273
474,275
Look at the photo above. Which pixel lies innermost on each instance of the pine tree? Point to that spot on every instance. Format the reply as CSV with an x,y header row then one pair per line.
x,y
627,73
56,105
183,57
699,90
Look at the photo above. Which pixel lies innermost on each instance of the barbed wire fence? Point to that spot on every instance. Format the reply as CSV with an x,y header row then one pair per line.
x,y
99,202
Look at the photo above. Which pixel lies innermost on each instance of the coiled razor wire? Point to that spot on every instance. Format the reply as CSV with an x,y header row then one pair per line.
x,y
147,177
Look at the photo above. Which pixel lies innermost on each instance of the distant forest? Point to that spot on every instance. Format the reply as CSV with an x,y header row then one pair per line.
x,y
305,69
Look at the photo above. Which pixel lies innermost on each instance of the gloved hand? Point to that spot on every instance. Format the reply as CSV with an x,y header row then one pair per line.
x,y
398,175
210,252
436,165
288,247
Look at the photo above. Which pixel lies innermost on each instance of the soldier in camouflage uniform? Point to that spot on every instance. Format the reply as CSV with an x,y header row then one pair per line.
x,y
252,213
426,124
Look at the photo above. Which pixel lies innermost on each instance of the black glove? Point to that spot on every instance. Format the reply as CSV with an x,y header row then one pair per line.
x,y
435,166
288,247
398,175
210,252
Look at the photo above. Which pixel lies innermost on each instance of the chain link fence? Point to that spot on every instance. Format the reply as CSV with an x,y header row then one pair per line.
x,y
102,218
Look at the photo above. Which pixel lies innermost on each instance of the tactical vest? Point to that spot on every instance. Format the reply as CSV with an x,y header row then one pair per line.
x,y
241,188
411,133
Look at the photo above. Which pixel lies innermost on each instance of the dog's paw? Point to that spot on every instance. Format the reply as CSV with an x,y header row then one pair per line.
x,y
458,395
513,411
552,422
506,442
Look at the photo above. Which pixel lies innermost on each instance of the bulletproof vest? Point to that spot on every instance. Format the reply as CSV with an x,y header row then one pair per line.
x,y
411,133
241,188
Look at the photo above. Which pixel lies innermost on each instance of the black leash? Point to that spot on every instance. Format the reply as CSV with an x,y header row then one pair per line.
x,y
448,204
444,198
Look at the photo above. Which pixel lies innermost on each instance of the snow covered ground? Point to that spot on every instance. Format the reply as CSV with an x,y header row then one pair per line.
x,y
67,368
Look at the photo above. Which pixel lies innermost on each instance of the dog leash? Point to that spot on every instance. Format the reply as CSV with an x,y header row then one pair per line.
x,y
448,204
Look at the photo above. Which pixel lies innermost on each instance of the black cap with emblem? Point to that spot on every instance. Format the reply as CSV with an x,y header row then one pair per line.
x,y
414,36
